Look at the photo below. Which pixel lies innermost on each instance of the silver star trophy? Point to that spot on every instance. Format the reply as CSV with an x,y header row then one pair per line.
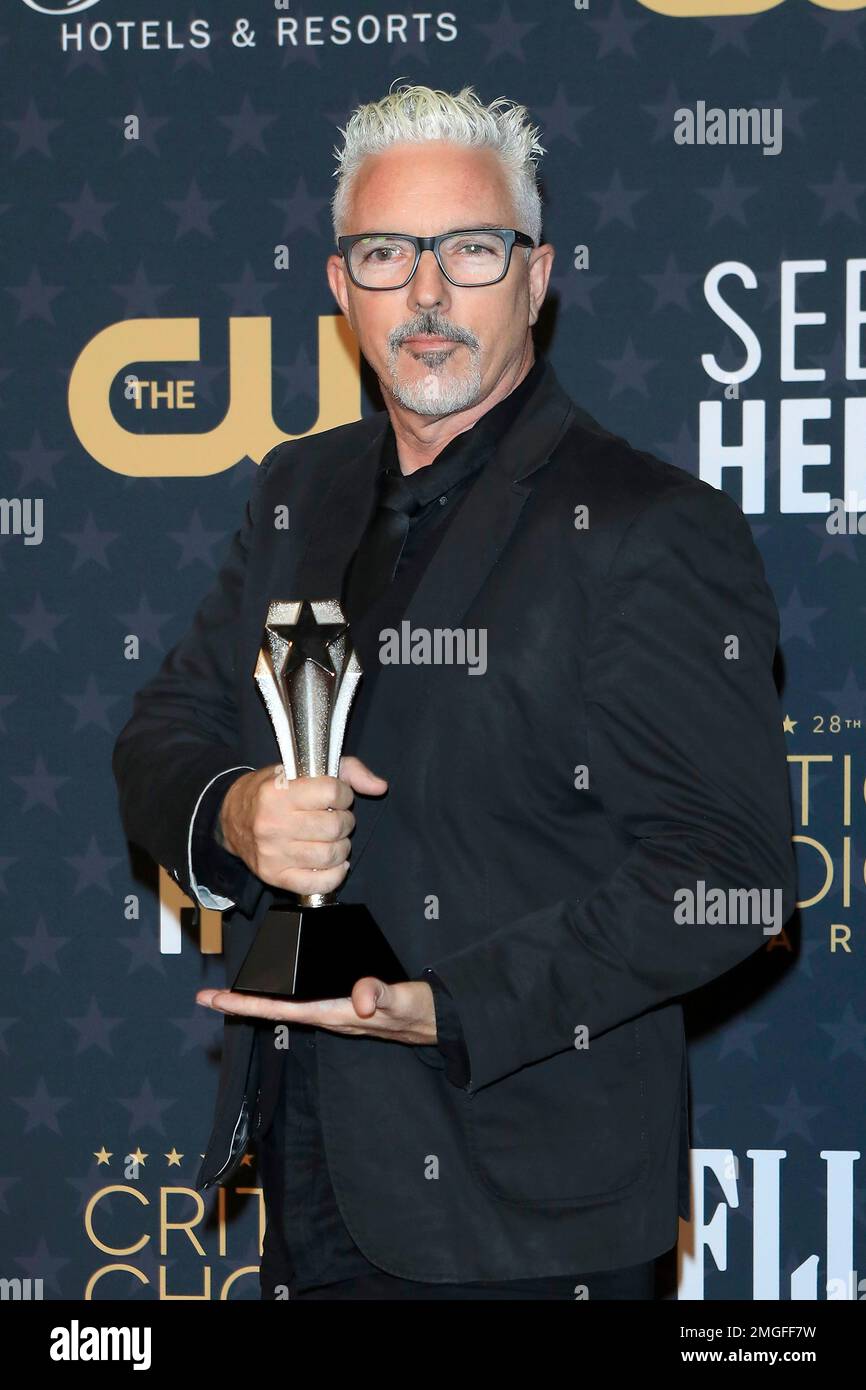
x,y
311,946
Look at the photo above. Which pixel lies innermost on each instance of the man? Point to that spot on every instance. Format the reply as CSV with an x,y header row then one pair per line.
x,y
522,817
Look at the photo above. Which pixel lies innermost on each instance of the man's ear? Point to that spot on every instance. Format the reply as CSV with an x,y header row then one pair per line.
x,y
540,266
337,280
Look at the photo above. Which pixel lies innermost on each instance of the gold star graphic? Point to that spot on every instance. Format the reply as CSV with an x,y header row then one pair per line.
x,y
788,724
102,1155
174,1158
138,1157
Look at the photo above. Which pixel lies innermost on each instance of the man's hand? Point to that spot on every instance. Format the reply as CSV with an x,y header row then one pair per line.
x,y
294,833
398,1013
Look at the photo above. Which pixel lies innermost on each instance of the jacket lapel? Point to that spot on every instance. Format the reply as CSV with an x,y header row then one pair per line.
x,y
469,549
341,517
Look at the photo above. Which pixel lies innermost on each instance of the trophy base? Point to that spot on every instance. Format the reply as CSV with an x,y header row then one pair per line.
x,y
316,952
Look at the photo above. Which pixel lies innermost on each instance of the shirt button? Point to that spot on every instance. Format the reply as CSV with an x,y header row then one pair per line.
x,y
443,499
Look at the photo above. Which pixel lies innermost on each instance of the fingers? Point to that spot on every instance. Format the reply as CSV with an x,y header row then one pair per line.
x,y
305,851
335,1013
304,881
308,825
325,1013
360,778
314,793
299,829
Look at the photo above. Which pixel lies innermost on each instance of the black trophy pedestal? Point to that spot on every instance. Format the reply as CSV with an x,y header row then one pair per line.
x,y
308,953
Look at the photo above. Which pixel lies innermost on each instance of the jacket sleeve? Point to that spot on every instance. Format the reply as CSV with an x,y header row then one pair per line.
x,y
687,755
183,730
448,1053
219,879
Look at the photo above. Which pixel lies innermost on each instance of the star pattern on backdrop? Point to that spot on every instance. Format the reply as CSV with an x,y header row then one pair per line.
x,y
110,1059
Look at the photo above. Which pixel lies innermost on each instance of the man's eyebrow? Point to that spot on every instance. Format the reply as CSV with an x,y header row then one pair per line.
x,y
475,226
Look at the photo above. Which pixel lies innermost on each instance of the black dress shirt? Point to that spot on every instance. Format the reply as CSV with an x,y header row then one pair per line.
x,y
306,1231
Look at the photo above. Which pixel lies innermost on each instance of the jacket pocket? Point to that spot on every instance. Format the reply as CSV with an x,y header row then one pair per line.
x,y
568,1130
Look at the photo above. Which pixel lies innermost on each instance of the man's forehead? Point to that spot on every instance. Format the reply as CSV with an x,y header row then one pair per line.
x,y
411,170
396,190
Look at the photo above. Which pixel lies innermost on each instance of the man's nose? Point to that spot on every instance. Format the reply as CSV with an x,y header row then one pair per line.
x,y
428,285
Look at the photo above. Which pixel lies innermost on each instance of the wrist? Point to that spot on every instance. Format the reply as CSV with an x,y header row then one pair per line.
x,y
218,832
225,821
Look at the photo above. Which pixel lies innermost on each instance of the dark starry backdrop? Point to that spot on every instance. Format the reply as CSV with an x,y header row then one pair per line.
x,y
105,1052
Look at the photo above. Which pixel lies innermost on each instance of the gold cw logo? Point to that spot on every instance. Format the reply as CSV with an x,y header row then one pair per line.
x,y
248,425
723,9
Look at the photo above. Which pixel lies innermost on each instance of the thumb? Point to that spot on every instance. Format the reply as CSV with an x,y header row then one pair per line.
x,y
360,778
368,995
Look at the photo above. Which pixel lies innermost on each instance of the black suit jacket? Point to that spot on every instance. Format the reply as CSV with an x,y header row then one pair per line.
x,y
546,907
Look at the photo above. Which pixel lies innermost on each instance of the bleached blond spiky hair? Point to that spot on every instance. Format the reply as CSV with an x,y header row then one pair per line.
x,y
422,113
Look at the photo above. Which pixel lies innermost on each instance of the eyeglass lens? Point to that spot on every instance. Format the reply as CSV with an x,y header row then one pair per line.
x,y
385,262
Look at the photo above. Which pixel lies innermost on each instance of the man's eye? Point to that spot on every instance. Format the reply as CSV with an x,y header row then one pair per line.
x,y
379,251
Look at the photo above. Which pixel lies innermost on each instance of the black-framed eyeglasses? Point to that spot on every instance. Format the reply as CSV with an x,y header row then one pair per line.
x,y
470,257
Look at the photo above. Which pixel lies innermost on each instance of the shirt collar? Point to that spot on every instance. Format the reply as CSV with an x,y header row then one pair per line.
x,y
466,452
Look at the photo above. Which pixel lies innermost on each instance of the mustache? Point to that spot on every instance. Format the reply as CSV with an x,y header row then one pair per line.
x,y
430,324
